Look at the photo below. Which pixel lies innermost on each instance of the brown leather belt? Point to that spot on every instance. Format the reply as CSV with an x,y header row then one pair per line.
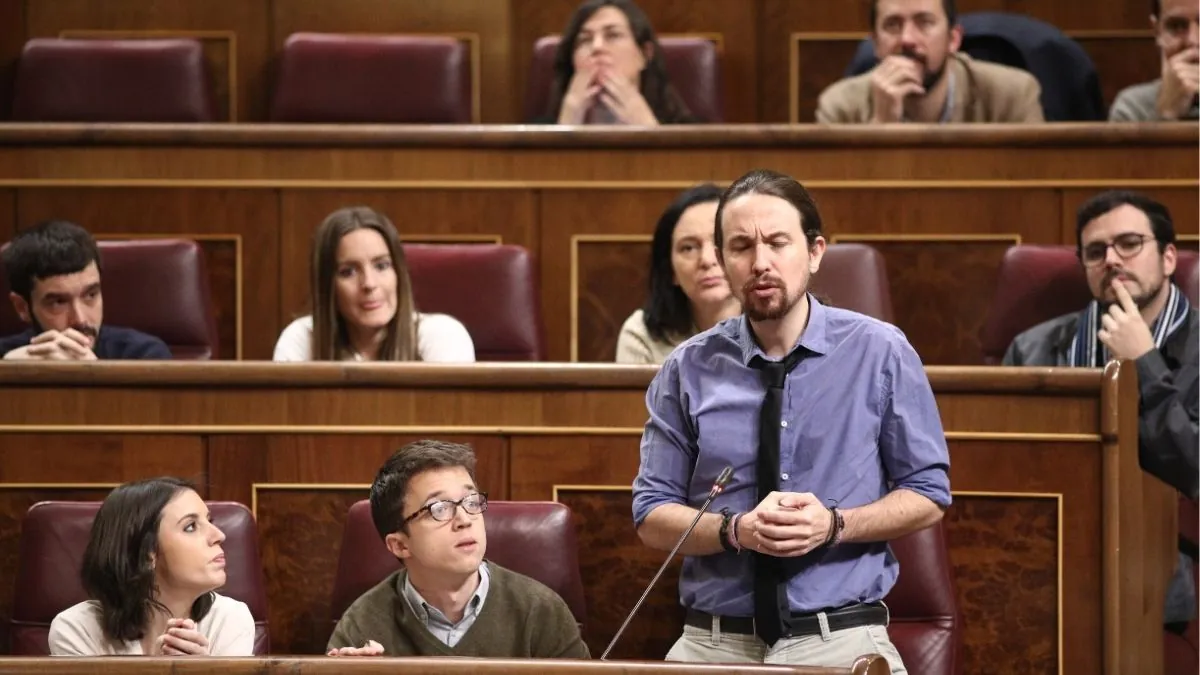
x,y
799,625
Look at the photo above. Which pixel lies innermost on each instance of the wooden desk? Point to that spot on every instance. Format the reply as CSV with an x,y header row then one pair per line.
x,y
867,665
941,203
1061,545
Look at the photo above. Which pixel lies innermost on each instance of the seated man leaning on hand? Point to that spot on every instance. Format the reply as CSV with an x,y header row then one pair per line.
x,y
448,600
922,77
53,270
1126,243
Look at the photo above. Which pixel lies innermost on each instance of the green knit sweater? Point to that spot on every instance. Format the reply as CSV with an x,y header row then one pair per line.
x,y
520,618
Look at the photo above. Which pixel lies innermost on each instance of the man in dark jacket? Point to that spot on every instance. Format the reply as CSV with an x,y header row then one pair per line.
x,y
53,270
1126,242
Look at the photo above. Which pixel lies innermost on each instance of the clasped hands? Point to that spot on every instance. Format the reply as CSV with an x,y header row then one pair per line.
x,y
591,85
785,524
181,639
371,648
53,345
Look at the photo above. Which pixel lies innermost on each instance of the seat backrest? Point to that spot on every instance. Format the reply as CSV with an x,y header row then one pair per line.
x,y
491,288
1037,283
693,66
63,80
156,286
854,276
925,622
384,79
514,530
50,556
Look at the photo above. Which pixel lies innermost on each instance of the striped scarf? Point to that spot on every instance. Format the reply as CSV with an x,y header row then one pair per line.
x,y
1086,350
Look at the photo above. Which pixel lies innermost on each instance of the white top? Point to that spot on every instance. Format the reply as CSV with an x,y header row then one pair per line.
x,y
635,346
440,339
76,631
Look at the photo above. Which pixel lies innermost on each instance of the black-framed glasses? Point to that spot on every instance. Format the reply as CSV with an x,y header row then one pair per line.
x,y
1126,245
443,510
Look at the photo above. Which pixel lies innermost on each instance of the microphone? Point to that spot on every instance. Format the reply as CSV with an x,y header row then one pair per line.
x,y
717,488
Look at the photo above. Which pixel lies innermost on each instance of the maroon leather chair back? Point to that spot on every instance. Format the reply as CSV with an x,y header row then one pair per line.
x,y
514,529
693,66
854,277
61,80
157,286
384,79
53,538
491,288
925,623
1039,282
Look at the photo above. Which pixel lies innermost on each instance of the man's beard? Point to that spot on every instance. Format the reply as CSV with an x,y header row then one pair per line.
x,y
1142,300
87,329
930,78
772,310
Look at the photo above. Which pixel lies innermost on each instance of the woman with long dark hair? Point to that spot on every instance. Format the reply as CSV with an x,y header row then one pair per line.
x,y
688,292
609,69
151,569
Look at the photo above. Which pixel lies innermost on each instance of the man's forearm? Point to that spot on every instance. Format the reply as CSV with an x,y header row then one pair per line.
x,y
898,513
667,522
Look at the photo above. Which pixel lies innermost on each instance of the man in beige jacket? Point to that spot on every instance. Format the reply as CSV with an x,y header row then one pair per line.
x,y
921,77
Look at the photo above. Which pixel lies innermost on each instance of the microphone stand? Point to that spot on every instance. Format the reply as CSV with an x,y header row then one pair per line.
x,y
717,488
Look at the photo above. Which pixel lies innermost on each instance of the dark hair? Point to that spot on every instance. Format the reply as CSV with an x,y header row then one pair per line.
x,y
1155,8
947,6
117,570
49,249
1160,218
775,184
667,309
391,483
664,101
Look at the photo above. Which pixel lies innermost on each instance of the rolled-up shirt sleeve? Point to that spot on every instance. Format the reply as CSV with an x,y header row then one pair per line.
x,y
912,442
668,450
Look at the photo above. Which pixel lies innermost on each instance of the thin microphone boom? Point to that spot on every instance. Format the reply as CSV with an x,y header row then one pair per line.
x,y
717,488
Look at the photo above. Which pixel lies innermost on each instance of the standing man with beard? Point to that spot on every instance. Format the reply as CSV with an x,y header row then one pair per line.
x,y
53,270
832,431
922,77
1126,242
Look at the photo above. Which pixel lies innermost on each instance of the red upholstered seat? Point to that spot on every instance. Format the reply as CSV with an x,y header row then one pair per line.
x,y
53,538
854,277
693,66
385,79
491,288
513,530
1037,283
61,80
925,624
157,286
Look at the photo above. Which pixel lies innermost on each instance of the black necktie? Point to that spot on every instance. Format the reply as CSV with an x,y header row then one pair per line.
x,y
770,589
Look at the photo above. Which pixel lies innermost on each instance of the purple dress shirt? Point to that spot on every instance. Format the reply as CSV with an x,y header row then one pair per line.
x,y
859,420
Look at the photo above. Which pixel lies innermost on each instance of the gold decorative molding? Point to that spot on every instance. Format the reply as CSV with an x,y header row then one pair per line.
x,y
238,281
228,36
331,487
576,240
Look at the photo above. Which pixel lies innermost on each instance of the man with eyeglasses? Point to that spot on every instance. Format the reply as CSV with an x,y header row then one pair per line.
x,y
447,600
1126,242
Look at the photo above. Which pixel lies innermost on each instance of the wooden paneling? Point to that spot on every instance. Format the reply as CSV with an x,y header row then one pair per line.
x,y
234,33
612,284
1048,493
486,20
1182,203
12,39
8,216
733,20
226,222
1122,58
430,216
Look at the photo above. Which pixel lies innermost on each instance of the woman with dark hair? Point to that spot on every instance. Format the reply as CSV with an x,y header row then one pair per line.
x,y
151,569
362,300
688,291
609,69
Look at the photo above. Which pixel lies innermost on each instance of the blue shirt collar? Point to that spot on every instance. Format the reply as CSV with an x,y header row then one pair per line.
x,y
814,338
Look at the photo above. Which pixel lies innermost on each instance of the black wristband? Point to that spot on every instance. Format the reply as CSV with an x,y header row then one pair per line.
x,y
723,533
836,525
